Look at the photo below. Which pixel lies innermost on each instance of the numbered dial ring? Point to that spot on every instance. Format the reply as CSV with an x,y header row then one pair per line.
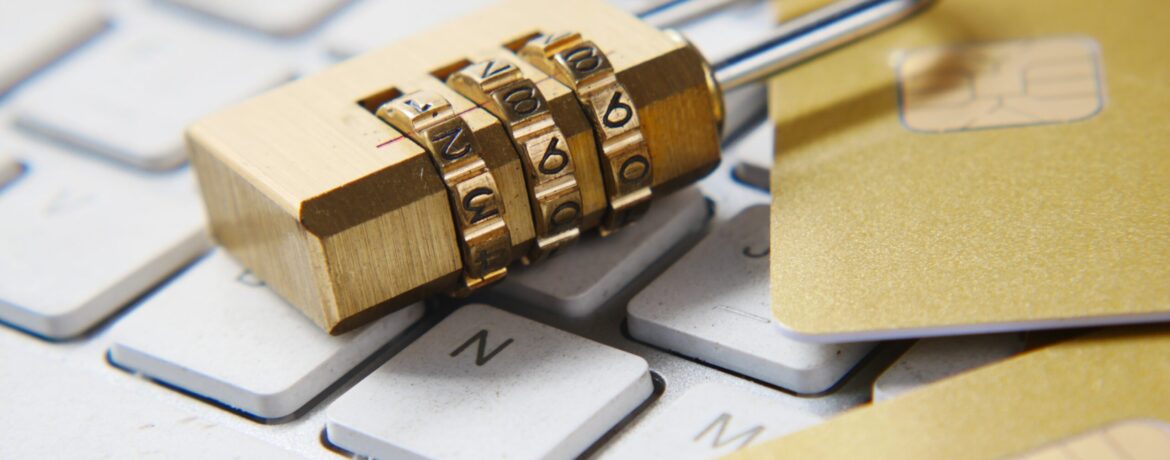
x,y
500,87
485,242
625,162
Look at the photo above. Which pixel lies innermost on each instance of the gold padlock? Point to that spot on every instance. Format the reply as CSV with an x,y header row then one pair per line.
x,y
429,165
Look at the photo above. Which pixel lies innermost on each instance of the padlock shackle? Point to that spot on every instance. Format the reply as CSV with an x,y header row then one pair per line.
x,y
808,36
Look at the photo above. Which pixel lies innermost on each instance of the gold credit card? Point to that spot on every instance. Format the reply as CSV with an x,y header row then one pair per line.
x,y
1102,396
991,165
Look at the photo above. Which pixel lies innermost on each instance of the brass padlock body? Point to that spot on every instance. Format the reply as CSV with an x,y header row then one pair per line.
x,y
348,219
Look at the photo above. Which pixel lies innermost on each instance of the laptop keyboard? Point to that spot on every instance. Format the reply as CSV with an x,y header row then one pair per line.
x,y
128,333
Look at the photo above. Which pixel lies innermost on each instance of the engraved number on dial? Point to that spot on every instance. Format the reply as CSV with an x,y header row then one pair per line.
x,y
491,69
417,107
548,39
565,214
617,113
523,100
454,145
584,59
554,159
634,169
484,258
475,203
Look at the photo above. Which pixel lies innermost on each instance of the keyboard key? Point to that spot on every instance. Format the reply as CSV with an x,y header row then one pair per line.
x,y
730,196
714,305
278,17
680,14
639,7
364,26
82,237
34,33
583,277
931,360
216,331
485,383
722,34
56,411
744,107
9,169
709,421
753,162
131,95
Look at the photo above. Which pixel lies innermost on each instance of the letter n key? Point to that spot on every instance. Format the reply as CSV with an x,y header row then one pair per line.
x,y
481,339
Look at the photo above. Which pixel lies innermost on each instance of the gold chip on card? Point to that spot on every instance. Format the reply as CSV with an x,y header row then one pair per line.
x,y
1138,439
999,84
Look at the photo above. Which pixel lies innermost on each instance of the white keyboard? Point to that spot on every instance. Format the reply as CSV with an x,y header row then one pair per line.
x,y
124,332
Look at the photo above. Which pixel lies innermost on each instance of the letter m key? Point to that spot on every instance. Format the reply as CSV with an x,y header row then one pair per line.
x,y
482,356
720,438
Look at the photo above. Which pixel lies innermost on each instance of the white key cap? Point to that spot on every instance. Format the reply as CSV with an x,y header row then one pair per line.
x,y
9,169
82,237
34,33
216,331
583,277
639,7
278,17
753,162
131,95
485,384
710,421
55,411
714,305
364,26
720,34
744,107
731,197
931,360
369,25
